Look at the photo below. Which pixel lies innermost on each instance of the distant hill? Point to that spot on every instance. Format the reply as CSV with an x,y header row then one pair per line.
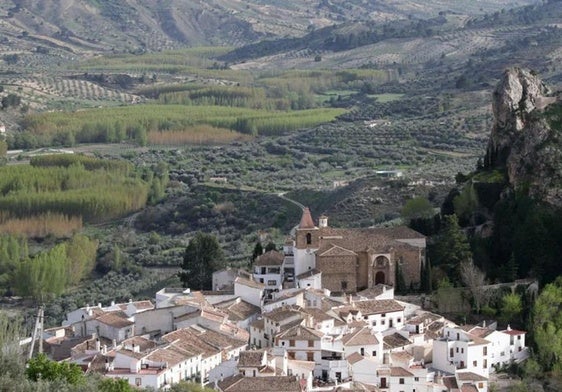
x,y
153,25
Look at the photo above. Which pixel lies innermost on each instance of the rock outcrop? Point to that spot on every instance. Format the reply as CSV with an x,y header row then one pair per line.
x,y
524,141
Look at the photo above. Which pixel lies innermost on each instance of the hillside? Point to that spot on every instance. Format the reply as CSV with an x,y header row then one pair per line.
x,y
84,25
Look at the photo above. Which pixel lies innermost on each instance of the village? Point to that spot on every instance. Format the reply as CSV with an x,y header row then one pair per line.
x,y
321,315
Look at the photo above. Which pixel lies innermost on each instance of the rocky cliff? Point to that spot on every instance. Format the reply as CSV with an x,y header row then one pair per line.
x,y
526,136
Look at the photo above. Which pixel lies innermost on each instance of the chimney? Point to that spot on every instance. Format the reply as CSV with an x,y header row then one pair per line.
x,y
99,305
112,303
114,343
323,221
104,349
98,348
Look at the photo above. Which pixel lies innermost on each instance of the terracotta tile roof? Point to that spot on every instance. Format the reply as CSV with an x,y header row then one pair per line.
x,y
258,324
360,337
374,292
169,354
286,295
308,273
270,258
249,283
400,232
60,349
318,314
355,357
267,370
306,220
469,388
283,313
476,341
239,310
204,341
144,344
132,354
375,306
252,358
260,384
470,376
513,332
309,365
481,332
400,372
360,240
300,332
425,318
115,320
383,371
450,382
401,356
394,341
139,305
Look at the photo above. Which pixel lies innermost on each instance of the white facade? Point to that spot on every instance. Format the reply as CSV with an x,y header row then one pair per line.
x,y
250,291
459,350
380,322
305,260
313,281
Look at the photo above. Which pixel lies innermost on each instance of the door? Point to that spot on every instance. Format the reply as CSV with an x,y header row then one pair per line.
x,y
383,382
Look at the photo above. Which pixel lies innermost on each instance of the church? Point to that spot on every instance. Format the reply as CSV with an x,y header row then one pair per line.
x,y
350,260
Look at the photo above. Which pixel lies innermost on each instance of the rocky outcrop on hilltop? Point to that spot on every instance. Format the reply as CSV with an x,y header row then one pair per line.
x,y
526,136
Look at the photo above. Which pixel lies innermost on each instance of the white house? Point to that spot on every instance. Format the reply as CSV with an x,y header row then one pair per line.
x,y
458,349
249,290
364,342
380,315
268,269
303,344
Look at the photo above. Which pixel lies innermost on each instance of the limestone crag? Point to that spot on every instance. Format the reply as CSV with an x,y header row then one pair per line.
x,y
522,140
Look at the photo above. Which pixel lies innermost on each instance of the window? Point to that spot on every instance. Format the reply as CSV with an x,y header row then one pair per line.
x,y
343,285
291,343
462,350
398,320
458,336
519,348
485,364
291,355
362,351
375,323
138,381
480,385
310,357
457,350
383,322
401,381
416,379
518,337
374,353
271,282
311,343
451,352
383,315
475,363
308,238
485,350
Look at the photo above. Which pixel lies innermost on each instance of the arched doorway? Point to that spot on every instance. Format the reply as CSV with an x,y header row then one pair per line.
x,y
379,278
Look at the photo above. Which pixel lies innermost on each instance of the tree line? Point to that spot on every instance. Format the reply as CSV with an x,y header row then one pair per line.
x,y
47,273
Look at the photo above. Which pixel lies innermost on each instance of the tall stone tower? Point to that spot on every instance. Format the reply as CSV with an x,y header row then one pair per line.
x,y
306,243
